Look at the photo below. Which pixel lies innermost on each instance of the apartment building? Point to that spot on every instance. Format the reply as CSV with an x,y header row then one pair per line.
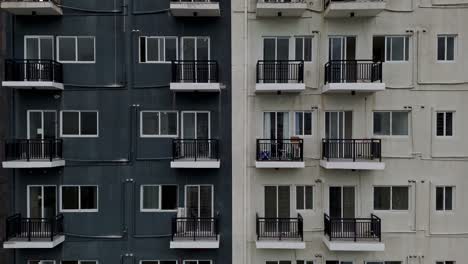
x,y
349,131
120,144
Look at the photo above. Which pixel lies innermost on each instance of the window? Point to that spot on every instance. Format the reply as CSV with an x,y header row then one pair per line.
x,y
383,262
159,123
76,49
391,123
396,48
445,198
41,261
79,199
445,262
303,123
444,124
158,262
304,262
304,48
446,47
79,123
197,262
158,49
276,125
79,262
304,197
278,262
391,198
155,198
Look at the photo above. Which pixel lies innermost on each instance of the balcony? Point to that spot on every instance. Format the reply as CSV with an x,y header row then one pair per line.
x,y
195,76
195,8
195,232
195,153
353,8
353,234
352,154
280,233
281,8
33,153
32,7
33,232
33,74
280,153
280,76
351,76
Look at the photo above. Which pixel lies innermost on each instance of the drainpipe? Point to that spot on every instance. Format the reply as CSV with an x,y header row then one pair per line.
x,y
246,130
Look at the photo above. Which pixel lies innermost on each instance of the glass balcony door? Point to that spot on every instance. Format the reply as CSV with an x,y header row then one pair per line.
x,y
339,126
199,206
277,209
38,48
196,49
42,125
342,205
342,48
276,49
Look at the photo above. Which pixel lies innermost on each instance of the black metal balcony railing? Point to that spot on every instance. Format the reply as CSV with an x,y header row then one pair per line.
x,y
280,228
195,228
57,2
353,228
33,228
33,149
353,71
280,150
33,70
195,149
352,149
280,71
200,71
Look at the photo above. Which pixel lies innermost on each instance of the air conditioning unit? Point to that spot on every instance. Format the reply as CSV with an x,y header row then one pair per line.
x,y
181,212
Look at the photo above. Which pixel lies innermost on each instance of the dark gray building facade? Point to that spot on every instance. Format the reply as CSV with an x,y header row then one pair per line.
x,y
119,149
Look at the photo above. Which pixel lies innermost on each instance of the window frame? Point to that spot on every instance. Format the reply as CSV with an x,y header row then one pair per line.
x,y
164,38
391,123
41,261
444,210
303,48
197,260
79,210
157,260
446,36
406,46
142,135
76,61
391,199
312,112
82,260
159,200
444,124
79,135
304,198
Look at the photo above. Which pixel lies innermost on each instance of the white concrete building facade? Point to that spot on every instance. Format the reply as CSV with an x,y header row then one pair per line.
x,y
349,131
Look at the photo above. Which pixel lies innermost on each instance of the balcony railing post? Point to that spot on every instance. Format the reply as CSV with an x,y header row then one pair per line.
x,y
28,150
29,229
195,227
51,146
354,147
355,228
196,148
52,229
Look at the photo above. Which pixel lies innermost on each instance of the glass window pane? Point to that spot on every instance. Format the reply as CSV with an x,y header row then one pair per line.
x,y
69,261
381,198
440,124
406,48
150,123
32,48
67,49
299,48
88,262
150,197
307,123
439,198
449,124
441,48
400,198
169,197
269,46
448,198
47,49
309,197
397,48
381,123
70,197
400,123
282,51
171,49
89,124
86,49
307,49
299,123
168,123
388,46
88,197
450,48
299,197
70,123
202,48
142,49
167,262
152,49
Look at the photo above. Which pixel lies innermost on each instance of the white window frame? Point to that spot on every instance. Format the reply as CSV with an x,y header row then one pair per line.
x,y
79,210
406,43
164,38
446,36
80,261
391,123
312,113
278,261
304,49
196,46
444,197
196,122
292,199
159,135
391,197
28,196
276,38
198,260
39,37
158,260
199,185
28,120
159,199
444,124
304,198
79,124
76,49
42,261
